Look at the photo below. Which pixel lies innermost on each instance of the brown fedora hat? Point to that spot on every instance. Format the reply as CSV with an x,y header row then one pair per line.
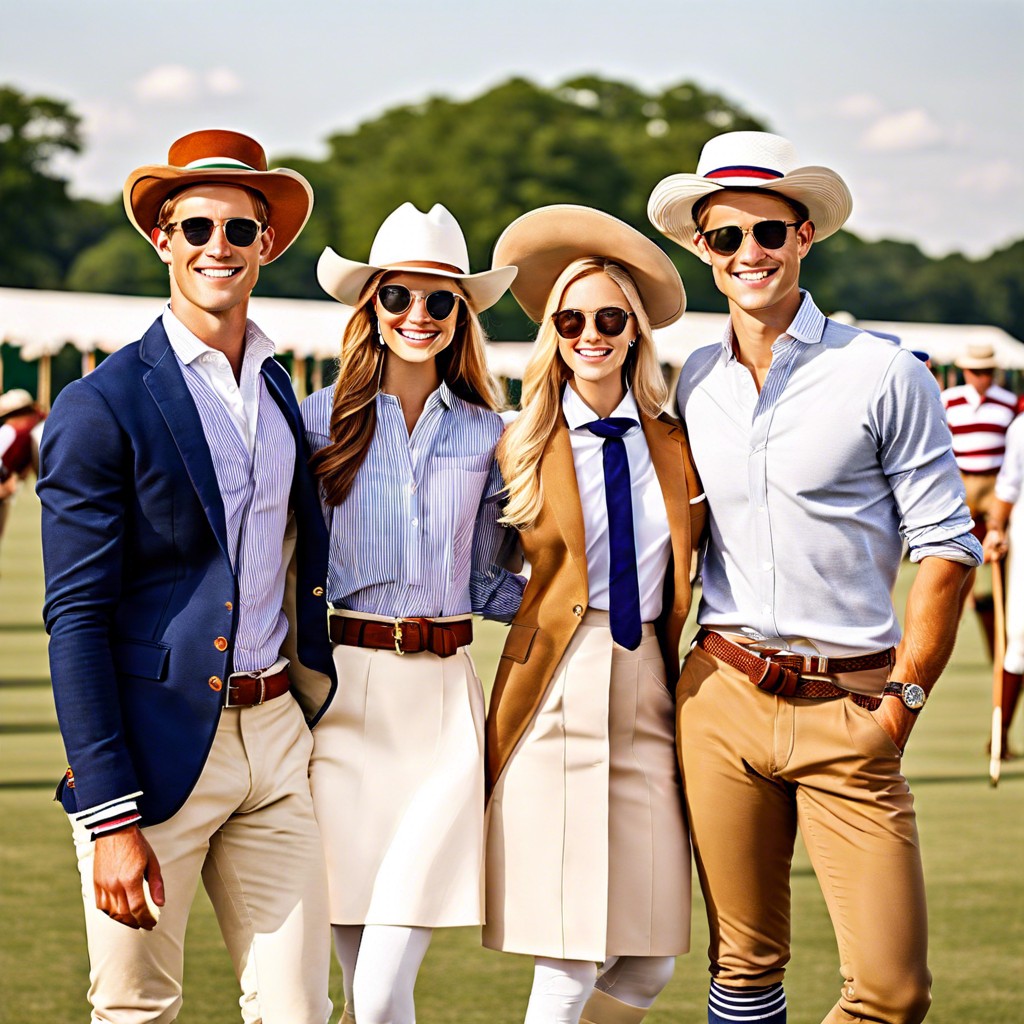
x,y
216,156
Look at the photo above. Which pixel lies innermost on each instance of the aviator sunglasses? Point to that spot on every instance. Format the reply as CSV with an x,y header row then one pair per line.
x,y
239,231
769,234
609,321
396,299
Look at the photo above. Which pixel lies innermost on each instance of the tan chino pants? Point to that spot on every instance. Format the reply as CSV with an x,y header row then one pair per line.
x,y
755,768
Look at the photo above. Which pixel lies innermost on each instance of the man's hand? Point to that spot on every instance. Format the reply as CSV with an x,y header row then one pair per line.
x,y
121,862
894,717
8,486
995,544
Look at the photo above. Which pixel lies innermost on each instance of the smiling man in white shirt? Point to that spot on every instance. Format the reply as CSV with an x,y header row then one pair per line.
x,y
818,446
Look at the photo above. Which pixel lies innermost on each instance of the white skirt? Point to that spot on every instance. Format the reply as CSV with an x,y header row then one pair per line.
x,y
588,854
398,790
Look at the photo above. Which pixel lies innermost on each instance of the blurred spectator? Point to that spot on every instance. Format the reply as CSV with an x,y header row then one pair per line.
x,y
20,424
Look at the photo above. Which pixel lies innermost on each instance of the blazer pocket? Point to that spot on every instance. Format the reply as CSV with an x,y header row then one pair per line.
x,y
519,642
146,659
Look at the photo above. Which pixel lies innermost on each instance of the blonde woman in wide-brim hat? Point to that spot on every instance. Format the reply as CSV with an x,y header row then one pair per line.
x,y
588,860
404,451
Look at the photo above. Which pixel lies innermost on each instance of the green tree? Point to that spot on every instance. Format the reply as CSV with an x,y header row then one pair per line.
x,y
34,202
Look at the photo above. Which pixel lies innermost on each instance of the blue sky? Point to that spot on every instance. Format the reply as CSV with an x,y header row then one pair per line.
x,y
917,103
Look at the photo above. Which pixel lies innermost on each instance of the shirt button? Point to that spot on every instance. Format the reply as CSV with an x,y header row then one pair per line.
x,y
415,523
767,566
215,683
221,643
760,508
578,611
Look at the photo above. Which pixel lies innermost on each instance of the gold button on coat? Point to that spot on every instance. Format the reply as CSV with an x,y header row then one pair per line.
x,y
228,605
215,683
221,643
318,591
578,610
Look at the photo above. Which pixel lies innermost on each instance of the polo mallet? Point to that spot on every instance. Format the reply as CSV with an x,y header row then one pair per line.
x,y
996,746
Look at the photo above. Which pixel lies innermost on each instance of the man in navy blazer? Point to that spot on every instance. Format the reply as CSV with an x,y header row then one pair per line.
x,y
175,494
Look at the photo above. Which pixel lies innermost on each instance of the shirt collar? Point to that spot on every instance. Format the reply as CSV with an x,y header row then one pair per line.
x,y
187,347
578,413
808,326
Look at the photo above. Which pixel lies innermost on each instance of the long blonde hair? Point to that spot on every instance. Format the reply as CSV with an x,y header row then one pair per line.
x,y
462,365
523,443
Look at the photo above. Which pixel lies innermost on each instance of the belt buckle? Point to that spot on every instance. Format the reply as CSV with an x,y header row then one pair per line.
x,y
396,633
814,667
246,675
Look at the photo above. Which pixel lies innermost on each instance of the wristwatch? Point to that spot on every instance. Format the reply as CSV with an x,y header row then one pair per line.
x,y
912,695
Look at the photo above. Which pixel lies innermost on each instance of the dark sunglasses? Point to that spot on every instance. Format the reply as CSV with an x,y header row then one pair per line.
x,y
396,299
610,321
239,231
769,234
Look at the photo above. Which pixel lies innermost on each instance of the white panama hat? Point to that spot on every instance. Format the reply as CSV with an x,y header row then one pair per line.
x,y
749,160
421,243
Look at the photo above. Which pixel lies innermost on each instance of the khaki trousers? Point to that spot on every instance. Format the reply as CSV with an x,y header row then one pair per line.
x,y
248,830
755,768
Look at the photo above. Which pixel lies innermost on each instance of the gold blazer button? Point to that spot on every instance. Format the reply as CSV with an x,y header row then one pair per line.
x,y
577,610
318,591
215,683
221,643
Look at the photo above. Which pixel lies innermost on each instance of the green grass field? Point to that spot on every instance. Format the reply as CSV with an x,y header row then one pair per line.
x,y
973,839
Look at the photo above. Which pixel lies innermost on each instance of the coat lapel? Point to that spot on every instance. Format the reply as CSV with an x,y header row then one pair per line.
x,y
562,494
172,397
664,441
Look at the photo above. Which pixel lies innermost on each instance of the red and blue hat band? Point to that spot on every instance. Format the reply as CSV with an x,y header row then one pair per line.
x,y
740,171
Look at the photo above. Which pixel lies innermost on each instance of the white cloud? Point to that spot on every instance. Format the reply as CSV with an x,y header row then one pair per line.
x,y
995,178
169,83
859,106
909,131
104,120
223,82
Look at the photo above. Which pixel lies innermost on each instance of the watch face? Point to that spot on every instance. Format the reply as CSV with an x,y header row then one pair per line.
x,y
913,696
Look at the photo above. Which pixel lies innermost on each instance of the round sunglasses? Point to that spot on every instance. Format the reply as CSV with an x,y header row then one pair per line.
x,y
239,231
609,321
396,299
769,234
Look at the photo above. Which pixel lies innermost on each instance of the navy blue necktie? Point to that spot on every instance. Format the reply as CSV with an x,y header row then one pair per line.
x,y
623,587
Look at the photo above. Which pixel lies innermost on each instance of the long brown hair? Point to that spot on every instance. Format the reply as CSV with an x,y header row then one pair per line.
x,y
523,443
462,365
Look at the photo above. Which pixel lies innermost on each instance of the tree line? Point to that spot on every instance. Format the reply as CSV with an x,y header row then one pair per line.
x,y
514,147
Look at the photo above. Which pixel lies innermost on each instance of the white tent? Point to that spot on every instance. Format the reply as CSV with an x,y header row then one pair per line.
x,y
41,323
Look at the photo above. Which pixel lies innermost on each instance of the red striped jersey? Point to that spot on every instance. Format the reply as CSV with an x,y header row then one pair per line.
x,y
978,424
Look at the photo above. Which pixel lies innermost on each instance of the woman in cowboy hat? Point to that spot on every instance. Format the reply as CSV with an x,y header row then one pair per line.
x,y
404,451
588,858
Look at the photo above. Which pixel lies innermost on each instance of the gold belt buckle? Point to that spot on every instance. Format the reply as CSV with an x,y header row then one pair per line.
x,y
396,632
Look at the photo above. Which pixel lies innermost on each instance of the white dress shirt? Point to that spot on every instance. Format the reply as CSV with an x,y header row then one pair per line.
x,y
650,519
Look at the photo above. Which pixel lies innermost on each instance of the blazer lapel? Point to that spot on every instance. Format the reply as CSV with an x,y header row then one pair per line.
x,y
174,400
562,494
663,442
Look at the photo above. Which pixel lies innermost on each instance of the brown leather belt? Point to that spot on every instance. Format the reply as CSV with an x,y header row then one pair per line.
x,y
404,636
795,675
247,689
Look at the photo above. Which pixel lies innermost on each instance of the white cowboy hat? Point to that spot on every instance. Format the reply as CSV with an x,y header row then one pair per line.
x,y
977,356
542,243
749,160
218,157
422,243
14,401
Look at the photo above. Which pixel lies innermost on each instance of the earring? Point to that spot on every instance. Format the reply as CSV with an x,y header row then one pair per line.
x,y
632,343
380,336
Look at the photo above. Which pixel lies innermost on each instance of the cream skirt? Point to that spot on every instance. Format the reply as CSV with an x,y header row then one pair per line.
x,y
588,854
397,780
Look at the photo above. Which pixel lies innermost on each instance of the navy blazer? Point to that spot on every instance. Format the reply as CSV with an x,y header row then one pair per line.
x,y
139,586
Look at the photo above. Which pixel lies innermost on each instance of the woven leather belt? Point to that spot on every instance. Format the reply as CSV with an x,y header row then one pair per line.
x,y
404,636
795,675
247,689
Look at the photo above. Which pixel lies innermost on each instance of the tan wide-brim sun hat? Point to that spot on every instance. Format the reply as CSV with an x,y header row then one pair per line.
x,y
749,160
420,243
219,157
543,242
977,356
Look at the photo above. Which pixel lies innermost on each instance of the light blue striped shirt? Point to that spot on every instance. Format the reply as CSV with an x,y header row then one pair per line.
x,y
812,483
254,476
418,533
